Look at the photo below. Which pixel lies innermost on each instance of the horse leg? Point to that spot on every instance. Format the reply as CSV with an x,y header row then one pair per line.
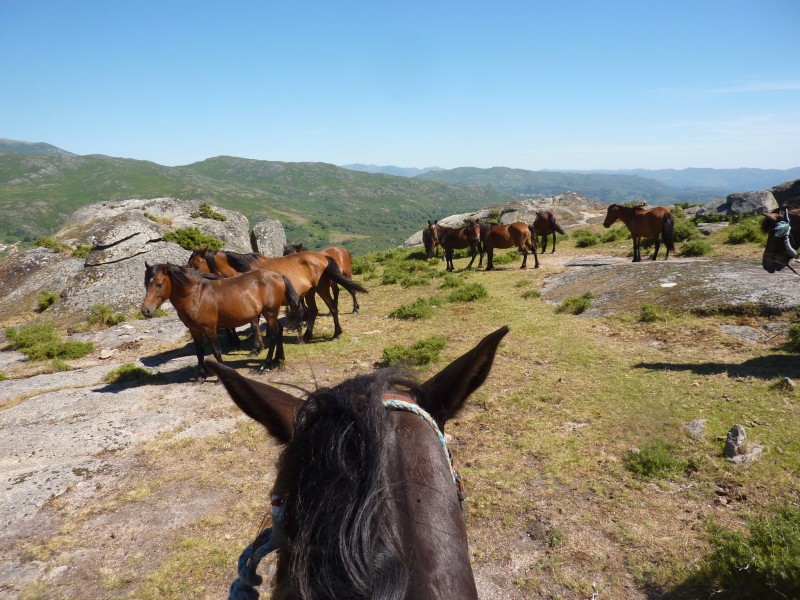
x,y
273,331
326,298
535,255
524,264
448,257
480,251
197,336
356,307
544,249
490,259
311,313
658,247
258,344
474,253
544,243
636,249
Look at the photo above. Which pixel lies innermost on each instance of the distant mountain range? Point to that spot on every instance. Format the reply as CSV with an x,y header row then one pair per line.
x,y
363,207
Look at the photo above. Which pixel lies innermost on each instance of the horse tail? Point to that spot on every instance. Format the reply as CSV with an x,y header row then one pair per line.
x,y
335,274
556,227
668,232
295,312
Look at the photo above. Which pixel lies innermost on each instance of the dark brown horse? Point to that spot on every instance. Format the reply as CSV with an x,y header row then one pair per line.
x,y
781,249
309,272
499,236
457,238
430,241
545,224
205,304
342,257
366,501
656,224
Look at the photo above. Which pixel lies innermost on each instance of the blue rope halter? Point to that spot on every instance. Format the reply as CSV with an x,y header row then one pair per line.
x,y
244,587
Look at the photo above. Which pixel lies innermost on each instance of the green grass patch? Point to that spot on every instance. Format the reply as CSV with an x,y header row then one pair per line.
x,y
528,294
419,354
748,230
421,308
613,234
585,239
686,230
469,292
190,238
129,372
51,244
40,341
576,305
650,313
81,251
762,561
45,301
695,247
655,459
101,315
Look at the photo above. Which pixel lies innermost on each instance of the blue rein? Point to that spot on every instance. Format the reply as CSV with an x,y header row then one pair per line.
x,y
244,587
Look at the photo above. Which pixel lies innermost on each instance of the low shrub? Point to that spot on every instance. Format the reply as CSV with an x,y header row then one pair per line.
x,y
695,247
649,313
365,266
585,239
190,238
614,234
504,258
129,372
418,354
748,230
103,316
761,562
421,308
51,244
81,251
451,281
39,341
3,376
45,301
655,459
469,292
527,294
794,337
207,212
576,304
686,230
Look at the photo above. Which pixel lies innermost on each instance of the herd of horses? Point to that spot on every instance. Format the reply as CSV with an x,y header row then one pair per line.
x,y
366,502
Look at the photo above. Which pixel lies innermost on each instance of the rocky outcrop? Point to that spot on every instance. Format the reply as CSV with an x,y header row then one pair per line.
x,y
788,194
759,202
122,236
268,238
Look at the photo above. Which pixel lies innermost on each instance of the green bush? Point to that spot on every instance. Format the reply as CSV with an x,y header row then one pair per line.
x,y
794,337
421,308
584,239
576,304
451,281
81,251
103,316
364,265
39,341
761,562
129,372
408,273
190,238
45,301
207,212
653,460
504,258
686,230
650,313
527,294
469,292
695,247
418,354
614,234
748,230
51,244
3,376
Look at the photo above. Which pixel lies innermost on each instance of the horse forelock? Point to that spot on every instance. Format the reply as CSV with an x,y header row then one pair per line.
x,y
341,524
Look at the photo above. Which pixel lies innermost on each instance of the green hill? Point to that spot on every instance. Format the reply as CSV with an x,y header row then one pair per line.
x,y
318,203
542,184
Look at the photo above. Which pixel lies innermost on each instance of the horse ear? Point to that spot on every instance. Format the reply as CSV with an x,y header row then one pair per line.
x,y
271,407
147,265
444,394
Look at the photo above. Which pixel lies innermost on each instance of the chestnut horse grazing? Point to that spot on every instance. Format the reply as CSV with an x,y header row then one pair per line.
x,y
343,259
783,240
309,272
429,240
205,304
456,238
366,501
517,234
544,224
656,223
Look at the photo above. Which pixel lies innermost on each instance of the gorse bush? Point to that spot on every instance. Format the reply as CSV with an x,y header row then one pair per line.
x,y
104,316
207,212
190,238
51,244
576,304
793,334
761,562
649,313
81,251
686,230
469,292
585,239
129,372
45,301
614,234
748,230
655,459
695,247
39,341
419,354
420,308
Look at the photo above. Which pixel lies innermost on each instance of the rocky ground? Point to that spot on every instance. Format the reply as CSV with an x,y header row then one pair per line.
x,y
68,438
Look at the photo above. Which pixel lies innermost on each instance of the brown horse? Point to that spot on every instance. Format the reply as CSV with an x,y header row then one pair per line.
x,y
366,501
430,241
499,236
544,224
309,272
780,249
205,304
656,224
342,258
456,238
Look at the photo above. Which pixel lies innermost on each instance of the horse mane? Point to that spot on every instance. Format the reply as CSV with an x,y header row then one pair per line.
x,y
182,275
242,263
341,537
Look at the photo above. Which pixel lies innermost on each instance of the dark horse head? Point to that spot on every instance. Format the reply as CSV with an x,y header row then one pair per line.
x,y
367,494
780,249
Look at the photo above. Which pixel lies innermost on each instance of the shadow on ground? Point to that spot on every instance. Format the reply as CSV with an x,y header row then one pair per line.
x,y
762,367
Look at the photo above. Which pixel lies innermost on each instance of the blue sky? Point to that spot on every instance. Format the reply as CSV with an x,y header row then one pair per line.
x,y
535,85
